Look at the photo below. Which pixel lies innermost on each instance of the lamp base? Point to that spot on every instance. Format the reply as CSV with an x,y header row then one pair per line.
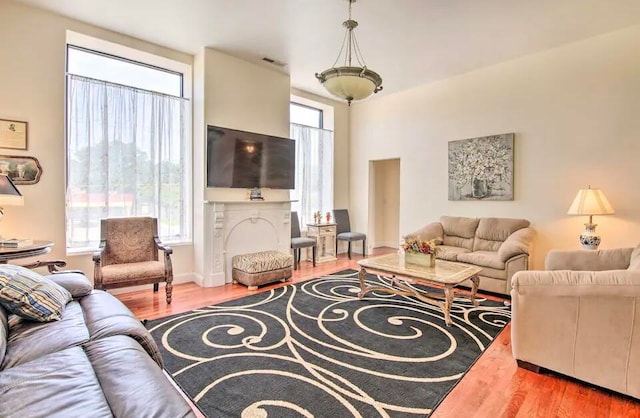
x,y
589,239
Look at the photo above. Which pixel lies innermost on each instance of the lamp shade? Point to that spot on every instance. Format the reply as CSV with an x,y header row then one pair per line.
x,y
9,194
590,202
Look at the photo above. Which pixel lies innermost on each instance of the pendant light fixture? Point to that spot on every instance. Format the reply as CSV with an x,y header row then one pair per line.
x,y
350,82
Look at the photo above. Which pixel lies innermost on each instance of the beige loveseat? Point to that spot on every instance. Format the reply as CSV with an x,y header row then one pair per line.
x,y
501,246
581,318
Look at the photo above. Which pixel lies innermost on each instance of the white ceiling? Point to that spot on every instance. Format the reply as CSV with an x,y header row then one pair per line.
x,y
408,42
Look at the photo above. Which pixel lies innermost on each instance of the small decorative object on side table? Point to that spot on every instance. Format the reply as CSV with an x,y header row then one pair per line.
x,y
420,252
328,217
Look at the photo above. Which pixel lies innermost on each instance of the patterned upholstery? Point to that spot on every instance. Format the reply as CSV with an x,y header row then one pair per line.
x,y
128,255
25,293
129,240
262,261
118,273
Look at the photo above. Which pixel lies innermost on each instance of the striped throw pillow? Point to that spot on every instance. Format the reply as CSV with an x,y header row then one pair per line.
x,y
25,293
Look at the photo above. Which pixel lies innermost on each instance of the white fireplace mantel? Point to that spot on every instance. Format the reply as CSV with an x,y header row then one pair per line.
x,y
241,227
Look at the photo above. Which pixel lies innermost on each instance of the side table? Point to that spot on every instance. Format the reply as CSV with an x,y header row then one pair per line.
x,y
325,236
33,250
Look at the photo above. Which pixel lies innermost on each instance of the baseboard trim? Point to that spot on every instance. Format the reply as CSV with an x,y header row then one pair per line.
x,y
177,279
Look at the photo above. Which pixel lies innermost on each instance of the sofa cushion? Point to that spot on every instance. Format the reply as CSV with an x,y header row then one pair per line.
x,y
518,243
482,259
634,263
449,253
125,273
458,231
25,293
492,232
105,316
77,284
61,384
4,333
30,340
133,391
430,232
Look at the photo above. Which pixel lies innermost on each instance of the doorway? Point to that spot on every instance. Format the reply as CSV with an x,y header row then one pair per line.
x,y
384,203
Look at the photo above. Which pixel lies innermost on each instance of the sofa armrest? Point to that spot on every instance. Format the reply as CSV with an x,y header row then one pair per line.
x,y
430,232
623,283
516,244
588,260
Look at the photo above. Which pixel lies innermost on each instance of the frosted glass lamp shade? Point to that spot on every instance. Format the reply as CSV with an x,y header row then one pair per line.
x,y
350,83
590,202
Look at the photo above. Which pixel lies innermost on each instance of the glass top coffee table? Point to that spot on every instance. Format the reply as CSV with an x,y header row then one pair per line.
x,y
447,274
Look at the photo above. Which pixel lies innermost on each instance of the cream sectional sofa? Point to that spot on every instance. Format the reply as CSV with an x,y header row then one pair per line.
x,y
581,317
501,246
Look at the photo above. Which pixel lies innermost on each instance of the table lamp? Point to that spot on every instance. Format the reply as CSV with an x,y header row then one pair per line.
x,y
9,194
590,202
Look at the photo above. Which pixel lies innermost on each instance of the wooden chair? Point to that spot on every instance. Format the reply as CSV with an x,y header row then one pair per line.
x,y
344,233
128,255
298,242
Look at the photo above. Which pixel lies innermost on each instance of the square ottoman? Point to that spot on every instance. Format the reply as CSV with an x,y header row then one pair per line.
x,y
255,269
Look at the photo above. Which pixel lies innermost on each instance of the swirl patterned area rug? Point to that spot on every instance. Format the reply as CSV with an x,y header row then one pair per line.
x,y
315,349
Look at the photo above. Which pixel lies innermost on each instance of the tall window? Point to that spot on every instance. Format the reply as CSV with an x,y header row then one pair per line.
x,y
314,163
126,146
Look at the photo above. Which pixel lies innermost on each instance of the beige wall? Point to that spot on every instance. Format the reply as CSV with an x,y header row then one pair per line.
x,y
574,110
384,212
32,82
340,146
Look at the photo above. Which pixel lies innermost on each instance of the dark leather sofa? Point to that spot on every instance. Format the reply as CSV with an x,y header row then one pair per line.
x,y
97,361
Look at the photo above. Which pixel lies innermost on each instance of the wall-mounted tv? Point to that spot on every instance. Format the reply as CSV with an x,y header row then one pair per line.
x,y
240,159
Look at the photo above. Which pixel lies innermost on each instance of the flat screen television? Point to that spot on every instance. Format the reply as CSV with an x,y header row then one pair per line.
x,y
240,159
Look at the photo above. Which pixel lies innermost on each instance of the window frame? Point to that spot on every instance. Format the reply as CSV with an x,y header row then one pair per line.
x,y
130,55
317,109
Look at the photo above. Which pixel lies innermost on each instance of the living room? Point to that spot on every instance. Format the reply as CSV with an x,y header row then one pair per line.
x,y
566,90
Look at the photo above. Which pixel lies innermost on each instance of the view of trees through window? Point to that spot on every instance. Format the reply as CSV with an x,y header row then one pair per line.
x,y
126,146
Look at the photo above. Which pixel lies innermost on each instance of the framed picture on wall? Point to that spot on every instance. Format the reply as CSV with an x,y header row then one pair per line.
x,y
21,170
13,134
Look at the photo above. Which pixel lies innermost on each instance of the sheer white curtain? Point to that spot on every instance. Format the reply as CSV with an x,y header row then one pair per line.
x,y
314,172
125,157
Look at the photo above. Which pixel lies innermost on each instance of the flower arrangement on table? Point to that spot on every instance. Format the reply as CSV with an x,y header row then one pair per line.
x,y
417,251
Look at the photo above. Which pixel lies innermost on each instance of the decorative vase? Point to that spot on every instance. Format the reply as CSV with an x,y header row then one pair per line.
x,y
479,187
589,239
425,260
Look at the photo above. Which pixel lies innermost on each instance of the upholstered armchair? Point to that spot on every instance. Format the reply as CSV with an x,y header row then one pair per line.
x,y
581,317
128,255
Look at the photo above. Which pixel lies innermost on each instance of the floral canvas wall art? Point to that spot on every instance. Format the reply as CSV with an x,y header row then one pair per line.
x,y
481,168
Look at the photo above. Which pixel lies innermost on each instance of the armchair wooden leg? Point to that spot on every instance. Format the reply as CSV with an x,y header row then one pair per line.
x,y
349,250
295,259
169,290
155,287
364,247
336,247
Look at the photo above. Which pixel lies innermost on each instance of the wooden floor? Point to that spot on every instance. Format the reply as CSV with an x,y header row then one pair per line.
x,y
494,387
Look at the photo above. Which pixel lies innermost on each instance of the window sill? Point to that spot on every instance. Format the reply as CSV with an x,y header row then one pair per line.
x,y
71,252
